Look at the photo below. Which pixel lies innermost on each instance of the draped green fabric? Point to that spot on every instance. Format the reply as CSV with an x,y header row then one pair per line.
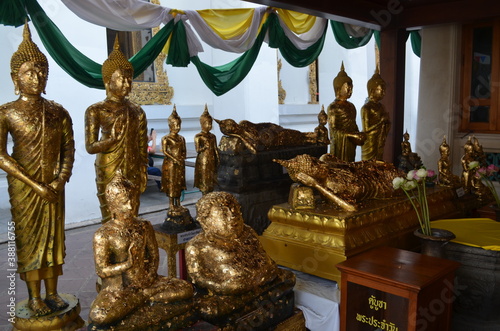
x,y
416,42
178,52
296,57
347,41
223,78
76,64
12,12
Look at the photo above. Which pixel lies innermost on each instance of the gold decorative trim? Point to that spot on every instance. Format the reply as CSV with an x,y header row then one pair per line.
x,y
281,90
313,83
159,91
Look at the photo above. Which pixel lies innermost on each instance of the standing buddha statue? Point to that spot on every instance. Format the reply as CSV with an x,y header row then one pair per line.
x,y
123,140
376,122
344,132
207,160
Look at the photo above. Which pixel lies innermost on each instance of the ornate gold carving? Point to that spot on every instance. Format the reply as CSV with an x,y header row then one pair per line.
x,y
281,90
313,83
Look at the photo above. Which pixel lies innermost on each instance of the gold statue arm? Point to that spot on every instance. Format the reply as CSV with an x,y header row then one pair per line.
x,y
143,147
103,267
67,156
246,143
13,168
177,160
92,125
310,181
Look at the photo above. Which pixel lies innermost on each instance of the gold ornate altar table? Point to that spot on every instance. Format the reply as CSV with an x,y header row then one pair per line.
x,y
315,240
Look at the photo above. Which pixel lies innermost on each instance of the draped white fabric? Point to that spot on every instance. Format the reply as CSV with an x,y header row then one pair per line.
x,y
237,45
133,15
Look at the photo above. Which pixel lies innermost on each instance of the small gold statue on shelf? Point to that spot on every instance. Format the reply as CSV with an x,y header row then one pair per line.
x,y
173,179
446,176
260,136
345,184
408,160
123,125
37,170
467,158
232,273
133,296
344,132
207,160
479,154
321,131
376,122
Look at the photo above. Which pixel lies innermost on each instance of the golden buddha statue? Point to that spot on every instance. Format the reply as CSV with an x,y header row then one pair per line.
x,y
344,132
37,170
467,158
446,176
408,160
321,131
133,296
343,183
207,159
173,179
479,154
376,122
122,124
260,136
227,264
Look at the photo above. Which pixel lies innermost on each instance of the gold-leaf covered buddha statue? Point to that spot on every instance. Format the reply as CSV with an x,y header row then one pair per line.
x,y
446,176
232,273
376,122
207,159
38,168
116,130
345,184
344,132
133,296
321,131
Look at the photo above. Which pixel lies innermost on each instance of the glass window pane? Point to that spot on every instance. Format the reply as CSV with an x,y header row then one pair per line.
x,y
481,62
479,114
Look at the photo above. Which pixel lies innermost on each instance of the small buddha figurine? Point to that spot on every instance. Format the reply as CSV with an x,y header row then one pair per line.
x,y
207,160
173,179
123,140
479,154
133,296
467,158
38,169
376,122
344,132
228,265
446,176
408,160
321,131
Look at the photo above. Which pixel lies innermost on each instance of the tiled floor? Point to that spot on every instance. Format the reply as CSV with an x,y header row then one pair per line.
x,y
79,276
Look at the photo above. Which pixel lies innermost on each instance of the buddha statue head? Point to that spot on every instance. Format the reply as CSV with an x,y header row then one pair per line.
x,y
174,121
219,214
376,86
342,84
117,73
206,120
122,195
28,58
444,148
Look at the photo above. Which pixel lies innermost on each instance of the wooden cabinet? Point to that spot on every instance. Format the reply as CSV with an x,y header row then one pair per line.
x,y
393,289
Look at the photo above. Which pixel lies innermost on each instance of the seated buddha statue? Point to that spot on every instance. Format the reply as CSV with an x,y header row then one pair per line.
x,y
229,268
133,296
408,160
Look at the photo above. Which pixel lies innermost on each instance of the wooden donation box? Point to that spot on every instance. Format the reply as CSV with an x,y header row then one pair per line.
x,y
315,240
392,289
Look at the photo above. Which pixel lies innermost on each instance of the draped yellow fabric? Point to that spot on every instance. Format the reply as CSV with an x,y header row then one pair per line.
x,y
476,232
297,22
228,23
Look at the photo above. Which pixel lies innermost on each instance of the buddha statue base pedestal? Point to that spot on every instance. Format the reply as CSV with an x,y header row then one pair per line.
x,y
315,240
67,319
178,221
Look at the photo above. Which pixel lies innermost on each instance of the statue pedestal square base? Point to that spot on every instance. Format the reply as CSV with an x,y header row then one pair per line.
x,y
67,319
315,240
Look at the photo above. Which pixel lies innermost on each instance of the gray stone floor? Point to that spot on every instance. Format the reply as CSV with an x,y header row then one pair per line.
x,y
79,276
